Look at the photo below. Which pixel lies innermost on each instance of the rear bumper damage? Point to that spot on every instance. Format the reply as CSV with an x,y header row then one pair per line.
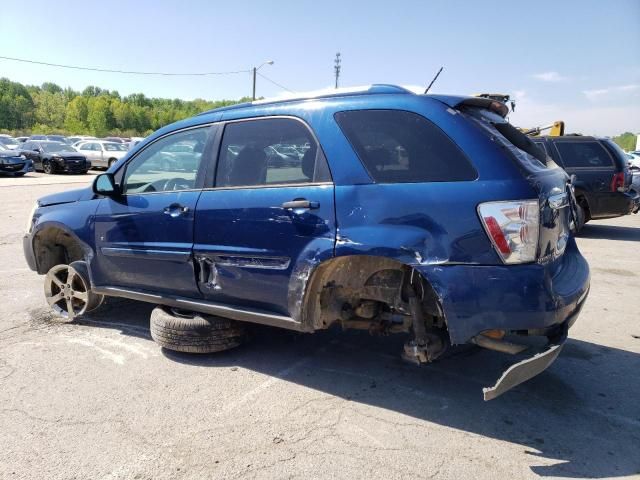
x,y
531,300
530,367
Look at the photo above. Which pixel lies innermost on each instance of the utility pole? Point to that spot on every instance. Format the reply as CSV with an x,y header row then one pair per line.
x,y
255,70
337,67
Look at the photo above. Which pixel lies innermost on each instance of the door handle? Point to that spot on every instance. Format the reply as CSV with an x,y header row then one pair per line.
x,y
175,210
300,203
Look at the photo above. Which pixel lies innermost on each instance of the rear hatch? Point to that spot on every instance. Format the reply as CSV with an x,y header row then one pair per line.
x,y
556,201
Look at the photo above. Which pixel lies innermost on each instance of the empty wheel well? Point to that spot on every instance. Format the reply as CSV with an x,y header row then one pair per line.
x,y
54,246
360,289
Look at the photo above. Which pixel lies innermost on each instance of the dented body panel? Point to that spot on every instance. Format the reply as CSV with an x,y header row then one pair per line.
x,y
367,254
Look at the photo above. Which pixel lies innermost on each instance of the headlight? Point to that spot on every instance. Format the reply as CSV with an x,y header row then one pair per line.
x,y
30,218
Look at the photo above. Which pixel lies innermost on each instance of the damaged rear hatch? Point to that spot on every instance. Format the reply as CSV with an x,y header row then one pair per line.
x,y
556,211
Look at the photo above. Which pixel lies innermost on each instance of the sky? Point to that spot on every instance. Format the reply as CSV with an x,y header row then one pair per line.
x,y
577,61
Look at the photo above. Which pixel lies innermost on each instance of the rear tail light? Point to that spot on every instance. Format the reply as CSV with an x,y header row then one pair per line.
x,y
513,228
617,182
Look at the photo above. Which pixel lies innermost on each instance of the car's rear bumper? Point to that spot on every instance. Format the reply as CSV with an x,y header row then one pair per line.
x,y
513,298
617,204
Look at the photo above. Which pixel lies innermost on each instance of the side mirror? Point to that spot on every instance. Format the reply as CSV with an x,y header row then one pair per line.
x,y
104,184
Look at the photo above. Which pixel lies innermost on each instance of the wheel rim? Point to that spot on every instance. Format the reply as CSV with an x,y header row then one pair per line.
x,y
66,291
47,167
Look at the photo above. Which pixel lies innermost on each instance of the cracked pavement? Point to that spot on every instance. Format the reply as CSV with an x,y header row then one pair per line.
x,y
98,399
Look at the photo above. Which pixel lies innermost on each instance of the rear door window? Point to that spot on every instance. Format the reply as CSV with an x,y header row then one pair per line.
x,y
271,151
587,154
397,146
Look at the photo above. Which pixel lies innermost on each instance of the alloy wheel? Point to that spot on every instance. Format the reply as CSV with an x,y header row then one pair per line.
x,y
66,291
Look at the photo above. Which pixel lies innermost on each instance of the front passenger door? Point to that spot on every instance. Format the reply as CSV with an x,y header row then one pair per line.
x,y
144,236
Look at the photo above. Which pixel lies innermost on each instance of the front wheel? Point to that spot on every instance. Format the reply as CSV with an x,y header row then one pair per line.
x,y
47,167
111,162
68,291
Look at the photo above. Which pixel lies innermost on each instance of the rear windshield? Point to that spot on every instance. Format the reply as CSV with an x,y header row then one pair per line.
x,y
615,150
521,146
396,146
585,154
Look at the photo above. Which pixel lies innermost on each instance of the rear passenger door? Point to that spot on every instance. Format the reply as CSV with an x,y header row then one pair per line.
x,y
594,169
267,217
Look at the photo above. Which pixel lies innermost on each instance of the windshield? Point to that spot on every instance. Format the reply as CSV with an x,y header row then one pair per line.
x,y
56,147
115,147
8,141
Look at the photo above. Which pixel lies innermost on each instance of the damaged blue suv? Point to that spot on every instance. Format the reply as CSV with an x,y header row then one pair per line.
x,y
374,208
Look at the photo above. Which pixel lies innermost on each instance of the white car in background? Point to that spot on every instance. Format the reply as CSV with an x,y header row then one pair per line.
x,y
101,153
634,158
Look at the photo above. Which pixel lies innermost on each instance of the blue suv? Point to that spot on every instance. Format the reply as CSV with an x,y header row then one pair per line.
x,y
375,208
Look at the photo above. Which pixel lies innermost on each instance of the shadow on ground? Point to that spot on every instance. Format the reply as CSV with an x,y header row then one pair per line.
x,y
582,415
610,232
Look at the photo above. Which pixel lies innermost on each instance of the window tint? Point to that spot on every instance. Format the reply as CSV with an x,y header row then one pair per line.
x,y
157,168
583,154
403,147
268,152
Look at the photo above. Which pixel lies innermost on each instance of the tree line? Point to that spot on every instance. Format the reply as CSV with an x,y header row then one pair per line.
x,y
49,108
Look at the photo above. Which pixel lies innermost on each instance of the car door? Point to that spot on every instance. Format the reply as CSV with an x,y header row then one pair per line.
x,y
144,235
267,219
594,170
33,151
91,151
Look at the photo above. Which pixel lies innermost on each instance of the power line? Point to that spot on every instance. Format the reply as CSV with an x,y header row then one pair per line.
x,y
276,83
130,72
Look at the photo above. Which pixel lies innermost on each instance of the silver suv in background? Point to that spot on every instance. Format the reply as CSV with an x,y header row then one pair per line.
x,y
102,153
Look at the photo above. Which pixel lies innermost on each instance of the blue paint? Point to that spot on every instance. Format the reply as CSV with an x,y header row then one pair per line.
x,y
269,252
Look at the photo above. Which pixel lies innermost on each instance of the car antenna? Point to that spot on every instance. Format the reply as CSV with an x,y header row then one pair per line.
x,y
432,81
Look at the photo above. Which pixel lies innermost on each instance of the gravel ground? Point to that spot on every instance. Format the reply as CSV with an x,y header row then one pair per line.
x,y
98,399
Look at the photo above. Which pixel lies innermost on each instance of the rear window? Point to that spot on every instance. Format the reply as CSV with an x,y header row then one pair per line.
x,y
583,155
403,147
523,149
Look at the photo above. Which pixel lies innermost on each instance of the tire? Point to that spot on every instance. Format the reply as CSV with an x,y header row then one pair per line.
x,y
47,167
111,162
582,217
193,332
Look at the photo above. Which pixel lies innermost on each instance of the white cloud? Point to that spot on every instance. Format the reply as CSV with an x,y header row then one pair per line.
x,y
598,93
550,77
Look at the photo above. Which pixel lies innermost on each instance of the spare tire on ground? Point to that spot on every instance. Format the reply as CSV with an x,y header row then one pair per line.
x,y
192,332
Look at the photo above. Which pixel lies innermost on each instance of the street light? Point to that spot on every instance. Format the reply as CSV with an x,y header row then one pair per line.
x,y
255,70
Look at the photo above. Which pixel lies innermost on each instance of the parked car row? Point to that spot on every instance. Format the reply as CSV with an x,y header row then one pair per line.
x,y
60,154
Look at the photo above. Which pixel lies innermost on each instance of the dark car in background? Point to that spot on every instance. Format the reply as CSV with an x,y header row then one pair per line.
x,y
13,162
55,157
602,177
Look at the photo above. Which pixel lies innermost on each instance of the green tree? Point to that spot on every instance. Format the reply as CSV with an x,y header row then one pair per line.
x,y
77,111
99,118
50,108
626,141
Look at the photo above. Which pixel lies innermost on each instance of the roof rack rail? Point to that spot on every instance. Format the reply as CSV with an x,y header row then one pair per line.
x,y
375,89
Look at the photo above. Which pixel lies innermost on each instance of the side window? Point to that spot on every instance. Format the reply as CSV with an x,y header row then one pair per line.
x,y
27,146
160,168
583,155
270,151
86,146
402,147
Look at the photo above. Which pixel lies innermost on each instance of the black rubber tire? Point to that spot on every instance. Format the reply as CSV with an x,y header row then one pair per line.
x,y
111,162
194,333
95,300
582,218
47,167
